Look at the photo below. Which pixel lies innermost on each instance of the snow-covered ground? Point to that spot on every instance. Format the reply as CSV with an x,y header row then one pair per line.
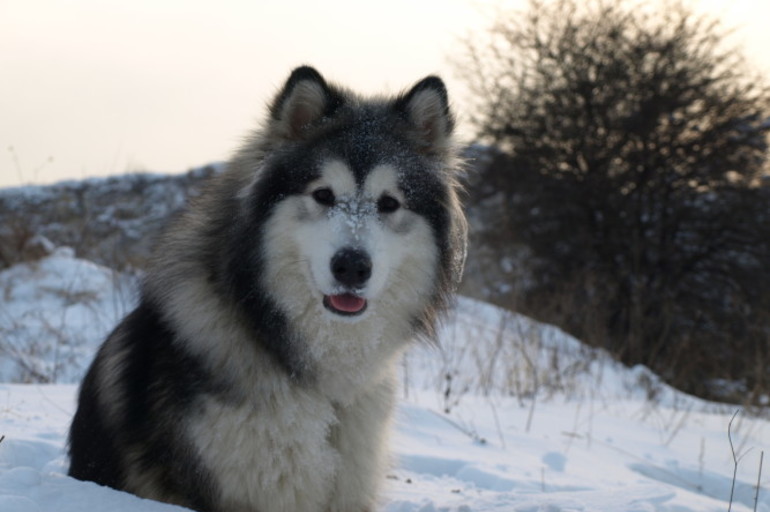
x,y
509,415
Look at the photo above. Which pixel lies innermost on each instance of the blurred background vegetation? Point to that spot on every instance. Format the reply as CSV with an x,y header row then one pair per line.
x,y
624,194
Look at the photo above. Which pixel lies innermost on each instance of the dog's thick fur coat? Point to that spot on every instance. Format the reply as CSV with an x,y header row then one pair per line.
x,y
257,372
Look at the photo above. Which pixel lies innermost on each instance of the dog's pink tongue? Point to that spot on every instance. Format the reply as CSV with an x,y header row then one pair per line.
x,y
347,302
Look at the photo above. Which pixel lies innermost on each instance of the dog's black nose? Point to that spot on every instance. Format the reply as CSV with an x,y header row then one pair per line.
x,y
351,267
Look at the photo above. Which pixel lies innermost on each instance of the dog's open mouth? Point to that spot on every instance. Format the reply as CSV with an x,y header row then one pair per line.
x,y
345,304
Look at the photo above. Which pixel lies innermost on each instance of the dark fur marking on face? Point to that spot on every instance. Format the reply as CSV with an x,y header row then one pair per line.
x,y
246,268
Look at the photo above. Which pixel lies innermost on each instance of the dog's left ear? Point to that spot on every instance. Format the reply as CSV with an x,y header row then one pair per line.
x,y
426,107
304,100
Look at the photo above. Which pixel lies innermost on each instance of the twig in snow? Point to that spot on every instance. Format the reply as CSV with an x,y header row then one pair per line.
x,y
735,459
497,425
759,476
467,431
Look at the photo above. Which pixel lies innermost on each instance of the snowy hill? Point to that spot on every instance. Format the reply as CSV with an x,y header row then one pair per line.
x,y
111,221
508,415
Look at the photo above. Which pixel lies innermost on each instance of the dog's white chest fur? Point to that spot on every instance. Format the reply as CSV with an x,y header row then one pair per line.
x,y
270,454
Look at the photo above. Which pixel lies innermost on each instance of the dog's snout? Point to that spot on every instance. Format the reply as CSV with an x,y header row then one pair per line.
x,y
351,267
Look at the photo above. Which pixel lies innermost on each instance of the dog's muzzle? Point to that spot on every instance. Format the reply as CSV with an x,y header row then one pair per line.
x,y
351,268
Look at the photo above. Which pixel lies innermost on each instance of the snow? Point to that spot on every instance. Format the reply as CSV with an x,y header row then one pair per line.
x,y
508,415
54,314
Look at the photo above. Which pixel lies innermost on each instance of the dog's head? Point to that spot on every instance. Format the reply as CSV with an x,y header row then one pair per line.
x,y
360,195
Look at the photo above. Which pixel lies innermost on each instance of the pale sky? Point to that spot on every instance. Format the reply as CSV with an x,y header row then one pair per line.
x,y
99,87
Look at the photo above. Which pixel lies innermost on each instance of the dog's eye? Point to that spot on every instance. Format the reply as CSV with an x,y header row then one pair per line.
x,y
324,196
388,204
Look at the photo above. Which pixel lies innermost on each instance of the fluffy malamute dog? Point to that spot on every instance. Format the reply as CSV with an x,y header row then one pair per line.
x,y
256,374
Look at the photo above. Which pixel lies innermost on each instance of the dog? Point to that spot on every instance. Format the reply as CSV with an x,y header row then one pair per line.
x,y
257,371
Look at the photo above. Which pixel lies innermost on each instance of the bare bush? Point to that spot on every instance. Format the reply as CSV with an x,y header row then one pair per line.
x,y
627,187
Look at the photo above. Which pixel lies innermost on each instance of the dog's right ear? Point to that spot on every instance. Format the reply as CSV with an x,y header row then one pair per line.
x,y
304,100
426,107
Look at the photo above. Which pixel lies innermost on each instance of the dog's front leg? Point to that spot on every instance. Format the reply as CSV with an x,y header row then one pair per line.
x,y
360,438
